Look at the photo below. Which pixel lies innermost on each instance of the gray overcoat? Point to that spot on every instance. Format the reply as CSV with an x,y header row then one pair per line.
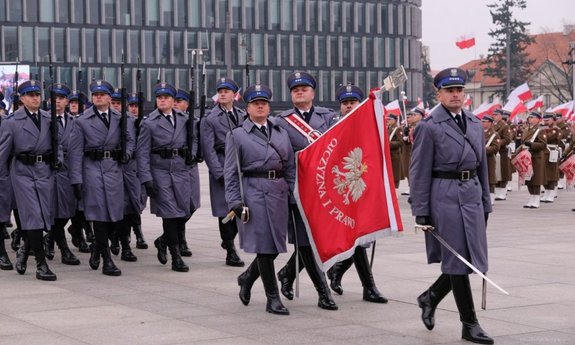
x,y
66,203
321,119
6,188
267,199
456,207
171,176
214,128
102,180
33,185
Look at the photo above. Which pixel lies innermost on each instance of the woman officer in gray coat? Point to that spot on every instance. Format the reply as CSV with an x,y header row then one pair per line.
x,y
161,155
259,174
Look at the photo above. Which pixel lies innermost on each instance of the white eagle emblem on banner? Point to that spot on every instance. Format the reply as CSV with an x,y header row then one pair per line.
x,y
349,182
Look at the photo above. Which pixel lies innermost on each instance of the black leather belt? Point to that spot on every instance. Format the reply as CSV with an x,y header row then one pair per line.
x,y
167,152
220,149
31,158
98,155
464,175
270,174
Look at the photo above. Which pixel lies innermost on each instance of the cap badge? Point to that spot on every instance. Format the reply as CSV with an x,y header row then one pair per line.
x,y
258,87
454,72
298,75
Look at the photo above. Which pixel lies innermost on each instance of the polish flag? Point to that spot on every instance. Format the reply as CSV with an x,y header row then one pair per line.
x,y
465,41
534,104
522,92
467,102
393,108
237,97
566,110
344,185
515,106
486,108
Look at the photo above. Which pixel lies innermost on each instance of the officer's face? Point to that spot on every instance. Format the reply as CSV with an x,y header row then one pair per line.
x,y
165,103
61,103
303,95
533,120
391,121
116,105
101,99
31,100
451,98
347,106
133,109
486,124
258,110
74,105
548,122
182,105
226,97
497,117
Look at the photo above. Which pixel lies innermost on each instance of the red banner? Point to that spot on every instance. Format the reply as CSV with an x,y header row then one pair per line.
x,y
344,185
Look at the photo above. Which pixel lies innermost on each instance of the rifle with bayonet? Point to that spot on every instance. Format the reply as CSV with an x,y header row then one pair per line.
x,y
15,98
54,127
199,155
191,158
140,94
79,87
123,114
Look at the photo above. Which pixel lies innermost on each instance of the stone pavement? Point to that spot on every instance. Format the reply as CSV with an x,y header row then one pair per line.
x,y
531,256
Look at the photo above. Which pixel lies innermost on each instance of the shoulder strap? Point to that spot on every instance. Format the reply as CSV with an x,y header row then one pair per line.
x,y
490,140
302,127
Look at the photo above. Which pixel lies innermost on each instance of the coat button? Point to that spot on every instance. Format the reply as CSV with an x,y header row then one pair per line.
x,y
460,184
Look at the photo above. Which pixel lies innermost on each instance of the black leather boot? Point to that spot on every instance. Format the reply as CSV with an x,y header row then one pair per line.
x,y
5,263
43,272
108,266
232,257
16,237
78,239
286,276
184,249
22,258
471,330
68,258
335,273
178,264
370,291
3,232
49,245
246,281
123,230
274,304
429,299
114,237
325,301
137,228
160,244
87,226
94,261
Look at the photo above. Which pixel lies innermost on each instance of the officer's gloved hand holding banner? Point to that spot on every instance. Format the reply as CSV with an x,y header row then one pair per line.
x,y
344,187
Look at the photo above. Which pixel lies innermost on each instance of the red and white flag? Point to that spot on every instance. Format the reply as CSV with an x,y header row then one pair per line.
x,y
515,106
237,97
566,110
467,102
344,185
393,108
465,41
419,103
486,108
535,104
522,92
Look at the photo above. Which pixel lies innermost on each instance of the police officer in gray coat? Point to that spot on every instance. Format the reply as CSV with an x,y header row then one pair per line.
x,y
449,190
161,156
66,203
302,88
214,128
5,208
260,174
26,137
95,166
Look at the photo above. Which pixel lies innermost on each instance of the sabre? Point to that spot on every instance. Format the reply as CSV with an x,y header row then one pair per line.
x,y
432,231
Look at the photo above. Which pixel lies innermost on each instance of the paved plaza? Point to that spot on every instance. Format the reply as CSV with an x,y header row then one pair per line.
x,y
531,255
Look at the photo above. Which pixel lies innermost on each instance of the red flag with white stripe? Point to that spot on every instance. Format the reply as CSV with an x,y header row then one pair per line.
x,y
465,41
344,186
522,92
515,106
565,109
393,108
486,108
535,104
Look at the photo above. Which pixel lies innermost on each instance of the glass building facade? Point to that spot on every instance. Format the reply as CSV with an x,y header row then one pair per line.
x,y
336,41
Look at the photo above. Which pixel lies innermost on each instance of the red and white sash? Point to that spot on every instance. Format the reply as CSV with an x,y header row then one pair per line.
x,y
303,127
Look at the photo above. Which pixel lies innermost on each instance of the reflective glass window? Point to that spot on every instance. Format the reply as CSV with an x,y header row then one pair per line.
x,y
195,14
2,10
109,12
63,12
149,51
43,37
325,15
74,45
59,54
27,45
286,15
258,48
78,11
345,51
309,50
167,9
120,41
359,16
262,14
94,12
275,10
134,47
31,13
248,21
164,46
152,15
297,51
272,50
15,11
181,13
178,47
284,50
299,14
105,49
10,43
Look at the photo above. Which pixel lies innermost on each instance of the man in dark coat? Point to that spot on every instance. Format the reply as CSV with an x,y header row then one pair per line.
x,y
95,158
317,119
262,153
450,191
214,128
26,137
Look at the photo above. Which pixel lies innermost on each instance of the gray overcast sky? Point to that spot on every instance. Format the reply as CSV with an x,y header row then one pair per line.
x,y
445,20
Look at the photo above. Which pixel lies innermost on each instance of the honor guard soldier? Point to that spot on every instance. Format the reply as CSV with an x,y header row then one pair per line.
x,y
116,103
75,98
5,208
412,118
535,140
161,156
395,134
214,128
95,159
551,157
133,104
349,97
449,191
567,142
506,144
260,175
26,137
491,148
302,123
66,203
